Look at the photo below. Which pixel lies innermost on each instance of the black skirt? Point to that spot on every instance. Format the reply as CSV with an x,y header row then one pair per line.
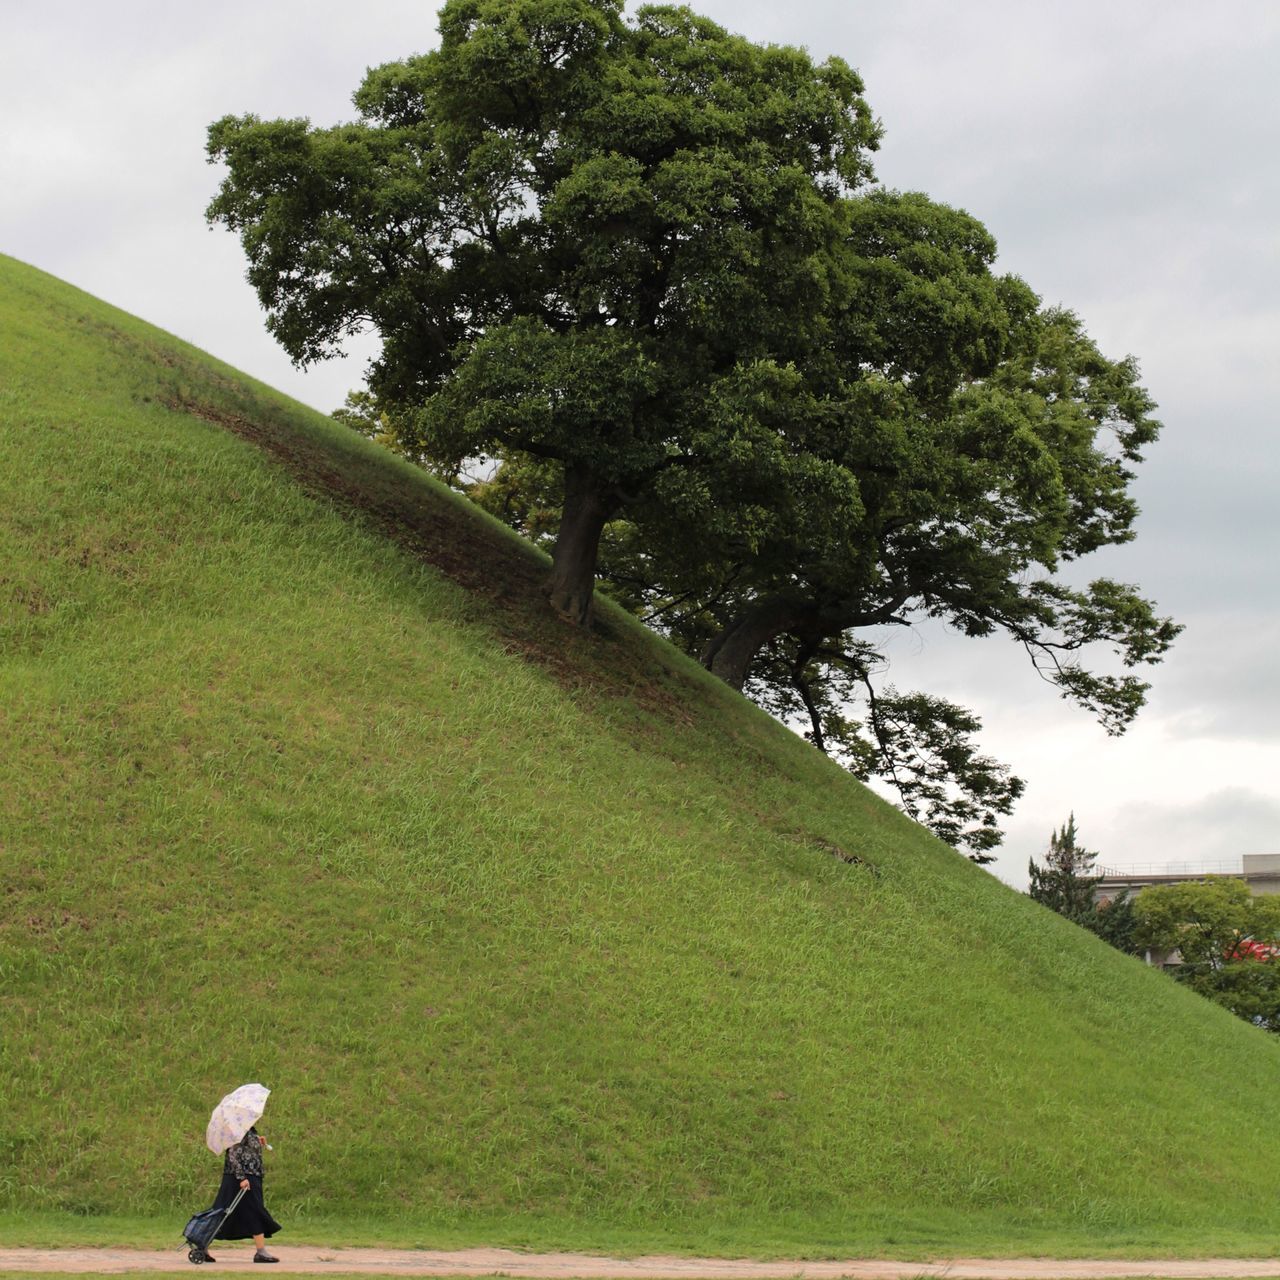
x,y
250,1217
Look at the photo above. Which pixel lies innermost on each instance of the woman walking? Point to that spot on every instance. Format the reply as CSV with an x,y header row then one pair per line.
x,y
242,1170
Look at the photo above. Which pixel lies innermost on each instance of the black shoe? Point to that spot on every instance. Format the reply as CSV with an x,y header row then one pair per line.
x,y
208,1257
261,1255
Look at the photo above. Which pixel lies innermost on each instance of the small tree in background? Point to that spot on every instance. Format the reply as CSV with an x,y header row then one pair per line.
x,y
1228,940
1213,923
1116,922
1067,884
1067,881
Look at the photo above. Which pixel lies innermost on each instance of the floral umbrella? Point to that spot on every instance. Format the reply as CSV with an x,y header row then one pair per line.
x,y
234,1116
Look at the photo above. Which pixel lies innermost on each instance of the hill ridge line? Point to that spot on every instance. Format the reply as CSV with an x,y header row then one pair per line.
x,y
577,1266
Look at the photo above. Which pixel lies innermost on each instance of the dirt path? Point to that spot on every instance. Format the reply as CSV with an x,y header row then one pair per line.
x,y
575,1266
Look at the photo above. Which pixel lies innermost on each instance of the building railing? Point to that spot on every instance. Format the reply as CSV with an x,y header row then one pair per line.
x,y
1189,870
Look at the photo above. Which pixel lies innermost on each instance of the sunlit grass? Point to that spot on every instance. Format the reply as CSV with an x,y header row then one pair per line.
x,y
535,937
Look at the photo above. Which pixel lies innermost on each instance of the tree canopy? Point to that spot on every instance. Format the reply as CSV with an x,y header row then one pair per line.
x,y
1226,939
643,262
579,238
1210,922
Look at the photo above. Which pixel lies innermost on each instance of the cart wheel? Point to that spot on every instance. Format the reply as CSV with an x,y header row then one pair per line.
x,y
196,1256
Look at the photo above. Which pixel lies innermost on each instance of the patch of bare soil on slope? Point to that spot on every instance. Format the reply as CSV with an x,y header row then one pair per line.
x,y
510,579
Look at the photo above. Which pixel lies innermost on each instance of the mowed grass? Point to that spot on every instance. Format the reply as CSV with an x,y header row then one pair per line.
x,y
537,937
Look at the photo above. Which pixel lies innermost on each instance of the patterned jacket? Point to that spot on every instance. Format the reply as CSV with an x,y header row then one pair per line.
x,y
244,1160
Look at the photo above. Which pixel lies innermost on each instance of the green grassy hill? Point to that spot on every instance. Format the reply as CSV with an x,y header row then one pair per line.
x,y
537,937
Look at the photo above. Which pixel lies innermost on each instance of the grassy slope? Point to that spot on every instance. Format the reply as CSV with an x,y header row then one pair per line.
x,y
537,937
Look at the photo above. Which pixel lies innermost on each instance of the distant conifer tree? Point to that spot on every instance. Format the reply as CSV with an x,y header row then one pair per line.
x,y
1066,882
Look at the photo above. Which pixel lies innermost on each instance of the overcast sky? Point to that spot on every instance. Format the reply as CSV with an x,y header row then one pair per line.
x,y
1123,153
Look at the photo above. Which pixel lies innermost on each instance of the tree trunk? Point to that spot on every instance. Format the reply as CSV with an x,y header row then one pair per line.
x,y
732,652
801,686
587,508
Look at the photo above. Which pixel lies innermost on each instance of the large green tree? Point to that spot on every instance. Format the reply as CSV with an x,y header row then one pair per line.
x,y
581,239
981,444
948,450
641,259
